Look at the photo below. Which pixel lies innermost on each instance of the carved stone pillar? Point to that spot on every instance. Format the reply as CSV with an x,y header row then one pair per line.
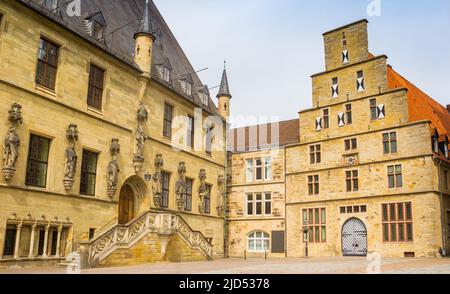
x,y
31,251
180,186
44,253
71,157
113,168
17,244
58,241
11,142
156,181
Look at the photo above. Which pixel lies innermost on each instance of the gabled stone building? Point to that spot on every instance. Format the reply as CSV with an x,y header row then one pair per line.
x,y
112,144
370,170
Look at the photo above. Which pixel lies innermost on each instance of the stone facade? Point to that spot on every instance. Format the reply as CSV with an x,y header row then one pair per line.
x,y
48,113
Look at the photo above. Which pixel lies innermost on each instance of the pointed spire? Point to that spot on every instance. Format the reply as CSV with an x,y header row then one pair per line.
x,y
224,88
145,25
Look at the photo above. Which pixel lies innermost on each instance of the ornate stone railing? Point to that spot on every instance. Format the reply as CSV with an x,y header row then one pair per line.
x,y
125,236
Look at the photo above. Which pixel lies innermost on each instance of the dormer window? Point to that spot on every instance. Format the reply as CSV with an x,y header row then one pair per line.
x,y
188,88
95,24
205,99
51,5
435,144
166,74
446,149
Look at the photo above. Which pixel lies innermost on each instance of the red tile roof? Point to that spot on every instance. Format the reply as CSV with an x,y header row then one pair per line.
x,y
420,105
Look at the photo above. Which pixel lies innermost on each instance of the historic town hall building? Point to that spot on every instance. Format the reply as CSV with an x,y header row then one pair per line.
x,y
114,149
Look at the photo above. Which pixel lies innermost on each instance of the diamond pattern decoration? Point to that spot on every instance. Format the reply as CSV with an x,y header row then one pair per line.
x,y
345,58
319,124
381,111
341,119
354,238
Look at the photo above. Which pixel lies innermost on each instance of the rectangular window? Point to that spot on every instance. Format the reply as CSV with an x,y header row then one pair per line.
x,y
207,200
250,170
313,185
326,118
88,173
168,116
190,132
259,169
209,140
348,114
47,64
351,144
353,209
54,243
259,204
397,222
395,176
95,92
37,161
390,143
267,169
188,195
10,241
315,154
373,109
335,88
165,181
315,220
445,179
360,81
351,179
166,74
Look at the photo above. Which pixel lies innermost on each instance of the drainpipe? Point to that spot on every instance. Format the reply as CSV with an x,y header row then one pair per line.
x,y
441,194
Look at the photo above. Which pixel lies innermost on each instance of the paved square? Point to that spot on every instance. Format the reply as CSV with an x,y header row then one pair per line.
x,y
272,266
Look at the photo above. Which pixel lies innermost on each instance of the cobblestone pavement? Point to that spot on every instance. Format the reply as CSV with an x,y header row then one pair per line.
x,y
260,266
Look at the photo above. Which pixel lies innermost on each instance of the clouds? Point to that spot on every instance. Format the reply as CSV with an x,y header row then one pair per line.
x,y
273,46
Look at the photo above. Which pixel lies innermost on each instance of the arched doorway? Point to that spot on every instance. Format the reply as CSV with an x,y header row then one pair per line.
x,y
354,238
126,205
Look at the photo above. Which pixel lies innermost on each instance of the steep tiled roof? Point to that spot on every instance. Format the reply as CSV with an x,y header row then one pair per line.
x,y
123,19
289,133
420,105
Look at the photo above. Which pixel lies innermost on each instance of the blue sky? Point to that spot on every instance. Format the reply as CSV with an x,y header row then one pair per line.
x,y
272,47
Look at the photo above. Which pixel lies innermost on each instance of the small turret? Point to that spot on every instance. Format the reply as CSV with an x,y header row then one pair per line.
x,y
144,39
224,96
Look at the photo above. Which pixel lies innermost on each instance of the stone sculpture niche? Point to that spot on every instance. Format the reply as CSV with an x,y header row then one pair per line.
x,y
71,157
220,195
140,137
203,191
113,168
11,142
157,181
181,186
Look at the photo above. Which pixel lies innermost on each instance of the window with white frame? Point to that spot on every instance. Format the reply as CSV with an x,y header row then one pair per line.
x,y
258,169
259,204
360,86
166,74
258,242
205,99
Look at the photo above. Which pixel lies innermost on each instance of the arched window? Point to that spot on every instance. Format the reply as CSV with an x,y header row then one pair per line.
x,y
258,242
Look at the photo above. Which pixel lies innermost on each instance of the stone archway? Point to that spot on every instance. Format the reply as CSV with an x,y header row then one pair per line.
x,y
132,196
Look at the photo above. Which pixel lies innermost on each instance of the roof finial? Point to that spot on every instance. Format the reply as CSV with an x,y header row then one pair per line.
x,y
224,88
145,25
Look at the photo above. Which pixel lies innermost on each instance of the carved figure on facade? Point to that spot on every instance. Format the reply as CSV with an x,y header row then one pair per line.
x,y
71,157
11,142
181,186
140,137
203,190
113,168
221,194
157,181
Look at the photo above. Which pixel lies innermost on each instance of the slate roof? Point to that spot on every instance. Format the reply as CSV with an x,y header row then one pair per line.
x,y
123,19
255,136
224,89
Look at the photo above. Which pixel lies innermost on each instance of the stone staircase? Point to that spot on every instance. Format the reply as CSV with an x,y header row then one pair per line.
x,y
166,225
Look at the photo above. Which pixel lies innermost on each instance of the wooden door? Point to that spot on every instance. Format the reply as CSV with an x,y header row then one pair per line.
x,y
126,205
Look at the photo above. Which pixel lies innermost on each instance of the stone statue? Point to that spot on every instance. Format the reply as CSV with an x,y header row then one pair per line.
x,y
203,190
140,137
156,181
71,157
11,142
181,186
113,168
221,194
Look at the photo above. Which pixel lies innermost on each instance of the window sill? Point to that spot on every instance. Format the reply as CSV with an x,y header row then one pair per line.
x,y
45,90
95,110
